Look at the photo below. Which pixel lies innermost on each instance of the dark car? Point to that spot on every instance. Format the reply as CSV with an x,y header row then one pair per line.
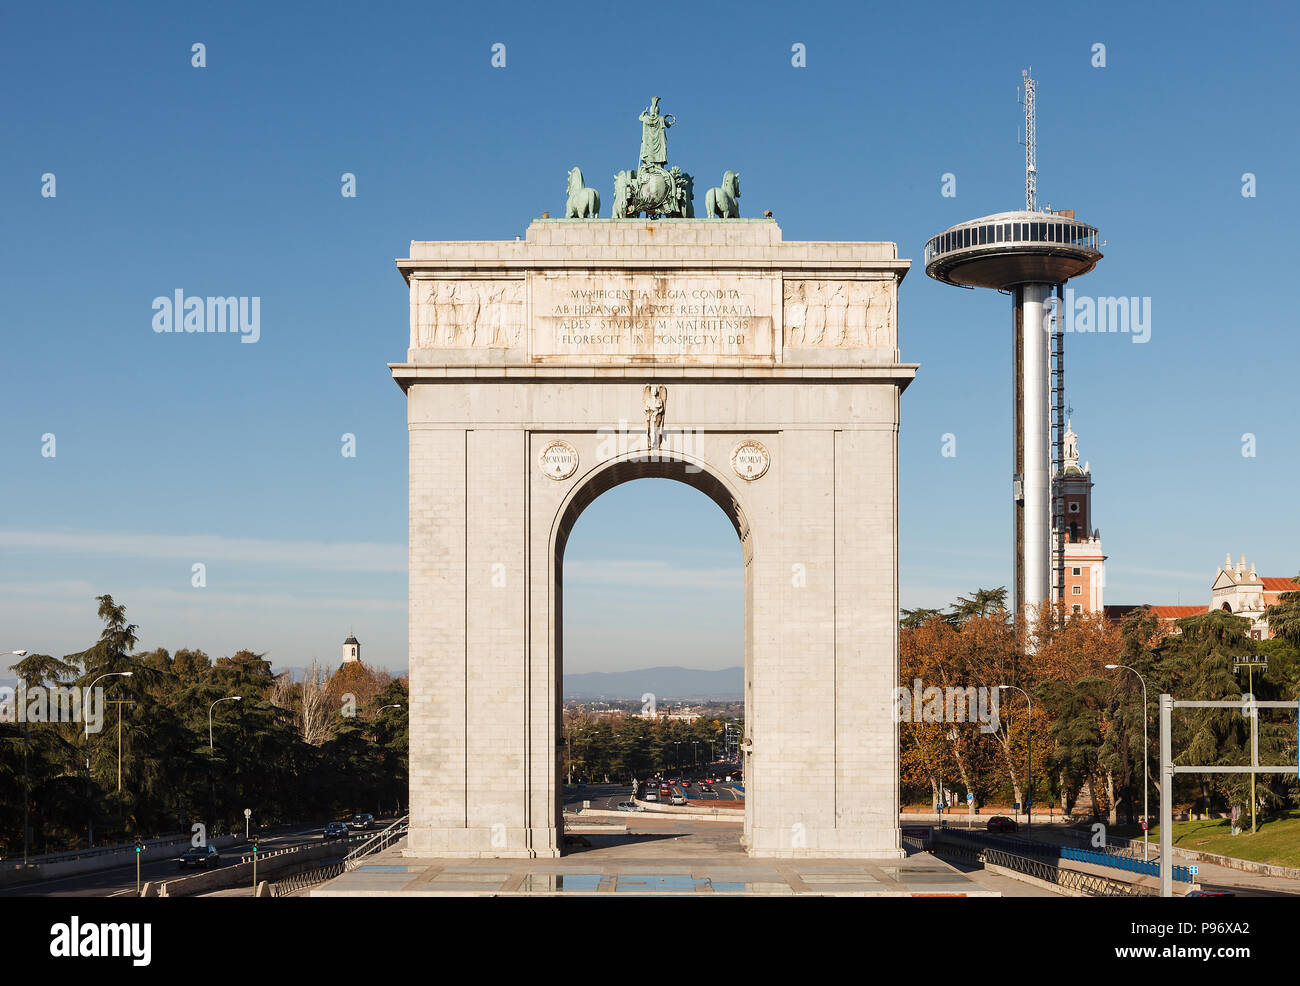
x,y
1000,823
362,823
200,857
336,830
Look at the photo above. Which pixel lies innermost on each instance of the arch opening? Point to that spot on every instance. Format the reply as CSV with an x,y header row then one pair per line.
x,y
600,481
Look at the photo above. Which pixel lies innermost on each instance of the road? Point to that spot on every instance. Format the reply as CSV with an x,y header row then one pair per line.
x,y
120,880
607,796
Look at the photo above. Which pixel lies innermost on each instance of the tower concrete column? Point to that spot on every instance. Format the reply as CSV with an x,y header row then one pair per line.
x,y
1037,472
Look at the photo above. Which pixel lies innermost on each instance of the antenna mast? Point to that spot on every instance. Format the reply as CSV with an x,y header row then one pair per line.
x,y
1031,144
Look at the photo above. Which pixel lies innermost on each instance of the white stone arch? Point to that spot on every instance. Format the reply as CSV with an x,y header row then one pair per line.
x,y
593,311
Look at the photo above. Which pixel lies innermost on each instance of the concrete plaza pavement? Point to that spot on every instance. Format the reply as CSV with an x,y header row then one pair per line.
x,y
661,856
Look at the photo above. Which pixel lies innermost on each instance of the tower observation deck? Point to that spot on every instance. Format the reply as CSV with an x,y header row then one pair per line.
x,y
1012,248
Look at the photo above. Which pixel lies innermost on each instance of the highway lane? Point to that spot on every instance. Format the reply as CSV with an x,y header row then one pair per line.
x,y
120,880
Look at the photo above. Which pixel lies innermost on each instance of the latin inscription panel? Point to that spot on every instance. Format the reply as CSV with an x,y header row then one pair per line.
x,y
688,317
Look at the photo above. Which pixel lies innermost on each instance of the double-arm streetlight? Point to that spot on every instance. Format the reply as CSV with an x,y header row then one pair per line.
x,y
1029,760
1146,818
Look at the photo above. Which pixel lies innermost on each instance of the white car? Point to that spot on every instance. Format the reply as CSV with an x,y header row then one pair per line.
x,y
679,799
650,796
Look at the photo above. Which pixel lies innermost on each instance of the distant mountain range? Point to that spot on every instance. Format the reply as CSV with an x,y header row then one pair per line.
x,y
674,683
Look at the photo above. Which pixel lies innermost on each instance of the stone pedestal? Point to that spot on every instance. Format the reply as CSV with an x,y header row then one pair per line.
x,y
530,367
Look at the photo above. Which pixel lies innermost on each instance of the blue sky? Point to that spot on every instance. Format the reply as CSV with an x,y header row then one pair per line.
x,y
225,180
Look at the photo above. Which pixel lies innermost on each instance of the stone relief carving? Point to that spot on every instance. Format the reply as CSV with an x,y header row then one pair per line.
x,y
469,314
839,314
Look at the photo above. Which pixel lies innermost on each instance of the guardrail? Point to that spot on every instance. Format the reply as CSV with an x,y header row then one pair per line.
x,y
1146,867
1047,852
1087,883
72,854
309,878
1022,847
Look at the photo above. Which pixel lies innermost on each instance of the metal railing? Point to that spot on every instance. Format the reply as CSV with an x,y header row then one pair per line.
x,y
1042,854
1087,883
1132,864
379,841
376,843
309,878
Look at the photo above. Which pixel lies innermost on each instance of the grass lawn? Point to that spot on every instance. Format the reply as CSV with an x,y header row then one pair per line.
x,y
1277,841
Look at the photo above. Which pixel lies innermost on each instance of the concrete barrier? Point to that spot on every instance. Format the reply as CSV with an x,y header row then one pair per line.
x,y
704,814
19,874
241,874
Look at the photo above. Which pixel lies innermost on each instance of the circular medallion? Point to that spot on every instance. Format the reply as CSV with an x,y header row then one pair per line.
x,y
559,459
750,460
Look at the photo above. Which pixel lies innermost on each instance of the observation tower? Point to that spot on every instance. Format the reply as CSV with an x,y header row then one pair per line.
x,y
1027,254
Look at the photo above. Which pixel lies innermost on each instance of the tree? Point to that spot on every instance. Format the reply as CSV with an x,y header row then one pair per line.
x,y
1284,616
982,603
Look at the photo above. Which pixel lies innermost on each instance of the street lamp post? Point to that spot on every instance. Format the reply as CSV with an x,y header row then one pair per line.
x,y
119,703
212,748
90,818
1029,760
229,698
1146,818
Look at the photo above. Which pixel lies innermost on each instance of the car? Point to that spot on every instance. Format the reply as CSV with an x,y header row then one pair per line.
x,y
1210,893
201,857
650,796
686,783
1000,823
362,823
629,806
336,830
679,799
706,788
665,791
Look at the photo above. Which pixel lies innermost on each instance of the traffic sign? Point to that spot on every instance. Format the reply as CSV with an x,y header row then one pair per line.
x,y
248,812
1144,825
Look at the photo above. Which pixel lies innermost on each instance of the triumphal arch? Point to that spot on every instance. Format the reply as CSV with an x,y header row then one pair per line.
x,y
705,349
